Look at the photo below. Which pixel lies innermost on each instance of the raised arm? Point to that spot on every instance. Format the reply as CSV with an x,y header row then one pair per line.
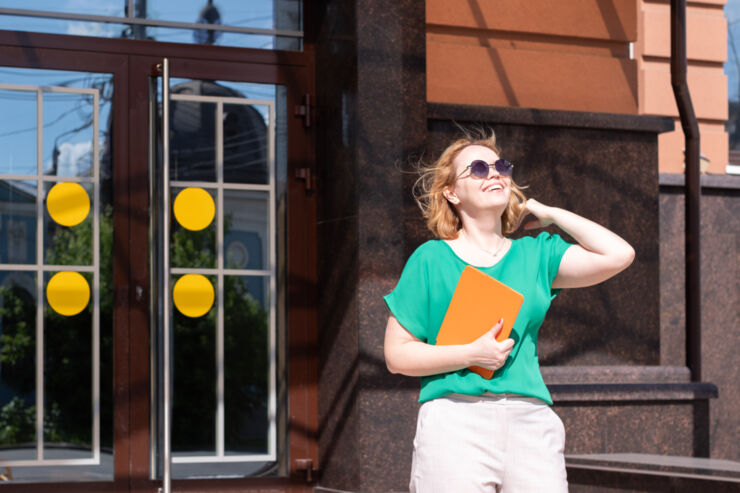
x,y
407,355
599,254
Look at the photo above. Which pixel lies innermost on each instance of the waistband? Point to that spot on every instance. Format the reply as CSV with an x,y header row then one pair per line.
x,y
503,398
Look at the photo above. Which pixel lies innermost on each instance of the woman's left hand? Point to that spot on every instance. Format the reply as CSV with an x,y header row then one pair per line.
x,y
539,210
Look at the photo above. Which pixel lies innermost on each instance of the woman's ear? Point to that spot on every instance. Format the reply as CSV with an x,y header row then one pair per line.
x,y
450,196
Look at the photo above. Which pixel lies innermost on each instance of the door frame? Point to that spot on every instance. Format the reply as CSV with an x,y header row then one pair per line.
x,y
132,62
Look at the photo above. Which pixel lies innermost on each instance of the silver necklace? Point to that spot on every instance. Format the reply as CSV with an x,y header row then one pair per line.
x,y
489,252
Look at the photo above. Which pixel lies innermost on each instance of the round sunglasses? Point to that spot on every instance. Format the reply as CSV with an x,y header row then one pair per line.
x,y
479,168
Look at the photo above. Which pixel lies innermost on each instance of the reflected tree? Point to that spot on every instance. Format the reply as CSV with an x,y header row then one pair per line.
x,y
245,353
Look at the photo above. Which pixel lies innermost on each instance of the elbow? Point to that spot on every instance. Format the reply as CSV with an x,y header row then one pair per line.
x,y
626,257
390,363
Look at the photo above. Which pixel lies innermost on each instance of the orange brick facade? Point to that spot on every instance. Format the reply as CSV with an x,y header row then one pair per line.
x,y
581,55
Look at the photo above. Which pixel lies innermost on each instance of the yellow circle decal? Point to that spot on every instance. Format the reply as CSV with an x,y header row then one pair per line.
x,y
193,295
68,203
68,293
194,208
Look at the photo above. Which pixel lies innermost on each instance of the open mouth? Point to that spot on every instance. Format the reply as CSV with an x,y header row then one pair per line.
x,y
496,187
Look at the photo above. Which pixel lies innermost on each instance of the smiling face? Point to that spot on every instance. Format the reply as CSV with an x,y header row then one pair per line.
x,y
473,196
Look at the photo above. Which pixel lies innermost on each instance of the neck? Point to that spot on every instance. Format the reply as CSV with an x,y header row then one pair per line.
x,y
484,235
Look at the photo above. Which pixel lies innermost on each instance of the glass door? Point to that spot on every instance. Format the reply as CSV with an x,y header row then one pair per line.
x,y
219,179
56,274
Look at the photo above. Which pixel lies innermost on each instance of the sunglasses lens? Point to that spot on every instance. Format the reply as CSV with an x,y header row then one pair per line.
x,y
479,169
504,167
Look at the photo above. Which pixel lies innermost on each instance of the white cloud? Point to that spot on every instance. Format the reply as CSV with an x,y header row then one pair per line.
x,y
91,29
74,159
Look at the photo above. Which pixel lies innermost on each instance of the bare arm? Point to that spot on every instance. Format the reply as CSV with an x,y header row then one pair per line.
x,y
406,354
599,255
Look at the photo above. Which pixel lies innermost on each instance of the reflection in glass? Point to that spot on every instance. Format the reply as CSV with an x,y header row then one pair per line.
x,y
284,15
263,14
246,230
62,26
67,381
17,367
17,222
193,142
189,36
68,134
246,363
97,7
194,374
192,248
68,245
18,134
245,144
67,342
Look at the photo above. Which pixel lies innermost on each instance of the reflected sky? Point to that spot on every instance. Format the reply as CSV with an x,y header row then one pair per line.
x,y
253,13
732,65
67,121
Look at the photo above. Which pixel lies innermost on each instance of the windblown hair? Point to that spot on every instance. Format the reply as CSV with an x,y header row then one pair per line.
x,y
442,218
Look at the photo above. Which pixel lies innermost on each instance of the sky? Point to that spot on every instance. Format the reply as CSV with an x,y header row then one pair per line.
x,y
243,13
732,66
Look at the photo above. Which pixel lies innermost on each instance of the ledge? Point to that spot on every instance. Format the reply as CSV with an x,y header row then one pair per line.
x,y
551,118
727,182
554,375
659,465
605,392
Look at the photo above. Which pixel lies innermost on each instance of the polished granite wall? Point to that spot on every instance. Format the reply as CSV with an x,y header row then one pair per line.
x,y
720,271
371,118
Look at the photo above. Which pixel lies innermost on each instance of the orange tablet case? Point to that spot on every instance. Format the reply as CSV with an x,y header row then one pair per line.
x,y
477,305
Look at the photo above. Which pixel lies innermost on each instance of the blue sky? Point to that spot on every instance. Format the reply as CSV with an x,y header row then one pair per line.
x,y
732,12
243,13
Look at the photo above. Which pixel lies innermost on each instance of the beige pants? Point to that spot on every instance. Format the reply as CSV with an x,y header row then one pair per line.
x,y
490,443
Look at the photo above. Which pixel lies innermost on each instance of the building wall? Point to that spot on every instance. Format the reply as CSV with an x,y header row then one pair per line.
x,y
607,56
706,49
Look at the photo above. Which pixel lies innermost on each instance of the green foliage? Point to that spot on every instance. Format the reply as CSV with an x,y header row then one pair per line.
x,y
67,344
17,422
245,353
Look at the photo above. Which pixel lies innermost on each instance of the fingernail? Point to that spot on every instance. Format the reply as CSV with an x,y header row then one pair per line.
x,y
501,320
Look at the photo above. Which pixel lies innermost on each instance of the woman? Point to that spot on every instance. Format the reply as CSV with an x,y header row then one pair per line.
x,y
473,434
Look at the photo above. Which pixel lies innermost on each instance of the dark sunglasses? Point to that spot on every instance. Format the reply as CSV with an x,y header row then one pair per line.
x,y
479,168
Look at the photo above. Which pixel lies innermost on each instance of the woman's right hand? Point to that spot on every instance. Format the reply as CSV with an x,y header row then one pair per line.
x,y
487,352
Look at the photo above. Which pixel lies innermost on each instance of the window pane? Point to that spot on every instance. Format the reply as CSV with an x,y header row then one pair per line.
x,y
18,365
245,130
254,13
90,7
68,134
247,230
247,363
193,145
190,248
17,222
68,380
194,374
68,245
17,134
64,26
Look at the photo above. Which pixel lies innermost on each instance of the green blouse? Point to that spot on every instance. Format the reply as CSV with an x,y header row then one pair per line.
x,y
423,293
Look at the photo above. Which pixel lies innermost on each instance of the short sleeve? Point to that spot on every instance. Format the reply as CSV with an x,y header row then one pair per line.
x,y
552,249
409,301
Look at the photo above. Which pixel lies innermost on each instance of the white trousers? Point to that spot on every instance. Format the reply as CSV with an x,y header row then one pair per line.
x,y
491,443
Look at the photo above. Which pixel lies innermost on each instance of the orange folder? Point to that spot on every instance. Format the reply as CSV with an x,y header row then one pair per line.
x,y
477,305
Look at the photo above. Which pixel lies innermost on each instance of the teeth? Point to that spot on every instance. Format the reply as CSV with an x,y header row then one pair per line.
x,y
494,187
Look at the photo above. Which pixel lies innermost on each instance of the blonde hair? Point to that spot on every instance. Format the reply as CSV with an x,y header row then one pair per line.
x,y
442,218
